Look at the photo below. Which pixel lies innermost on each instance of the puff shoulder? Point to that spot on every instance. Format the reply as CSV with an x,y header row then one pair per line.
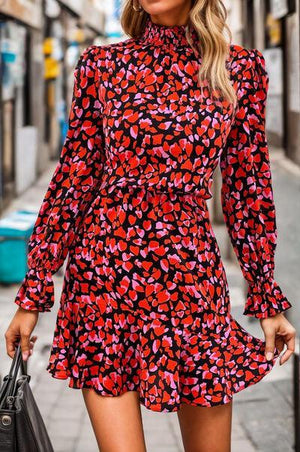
x,y
260,76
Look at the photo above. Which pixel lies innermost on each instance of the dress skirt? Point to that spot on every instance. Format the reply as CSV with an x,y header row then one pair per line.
x,y
145,305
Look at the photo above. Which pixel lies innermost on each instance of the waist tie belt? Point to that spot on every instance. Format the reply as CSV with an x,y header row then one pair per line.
x,y
150,194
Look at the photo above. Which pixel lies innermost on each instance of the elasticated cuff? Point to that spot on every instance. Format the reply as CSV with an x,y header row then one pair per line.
x,y
265,299
36,292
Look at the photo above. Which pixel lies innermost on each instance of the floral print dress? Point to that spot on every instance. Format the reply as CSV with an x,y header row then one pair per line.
x,y
145,303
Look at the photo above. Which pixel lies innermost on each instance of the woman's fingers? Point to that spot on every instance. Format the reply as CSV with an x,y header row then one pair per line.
x,y
279,331
279,343
19,331
25,343
289,340
11,339
270,343
32,342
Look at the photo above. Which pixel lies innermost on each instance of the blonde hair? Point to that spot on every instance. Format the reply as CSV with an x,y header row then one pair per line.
x,y
208,18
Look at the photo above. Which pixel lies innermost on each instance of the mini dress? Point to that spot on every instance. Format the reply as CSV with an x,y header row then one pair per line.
x,y
145,300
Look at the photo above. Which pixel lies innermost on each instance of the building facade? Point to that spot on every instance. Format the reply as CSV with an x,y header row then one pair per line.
x,y
272,26
21,95
40,42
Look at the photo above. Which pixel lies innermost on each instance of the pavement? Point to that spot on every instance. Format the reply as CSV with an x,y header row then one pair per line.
x,y
262,413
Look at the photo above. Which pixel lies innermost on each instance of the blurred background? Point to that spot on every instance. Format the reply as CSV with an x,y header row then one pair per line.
x,y
40,42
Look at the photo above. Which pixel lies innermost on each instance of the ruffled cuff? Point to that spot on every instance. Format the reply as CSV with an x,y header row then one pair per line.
x,y
265,299
37,291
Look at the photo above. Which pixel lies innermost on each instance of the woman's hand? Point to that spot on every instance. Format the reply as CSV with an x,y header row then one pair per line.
x,y
20,329
278,331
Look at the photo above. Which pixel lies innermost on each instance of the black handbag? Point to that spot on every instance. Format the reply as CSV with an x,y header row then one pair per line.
x,y
22,428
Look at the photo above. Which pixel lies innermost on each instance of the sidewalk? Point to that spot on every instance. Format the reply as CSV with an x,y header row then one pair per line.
x,y
262,415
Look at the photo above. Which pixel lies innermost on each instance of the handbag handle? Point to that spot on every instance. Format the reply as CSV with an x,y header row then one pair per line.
x,y
13,373
10,379
17,361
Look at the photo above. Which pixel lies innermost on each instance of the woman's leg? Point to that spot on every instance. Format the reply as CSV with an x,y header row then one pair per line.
x,y
116,421
206,429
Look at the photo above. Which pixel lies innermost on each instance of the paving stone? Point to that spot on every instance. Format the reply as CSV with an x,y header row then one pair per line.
x,y
83,446
237,431
243,445
65,445
164,449
154,438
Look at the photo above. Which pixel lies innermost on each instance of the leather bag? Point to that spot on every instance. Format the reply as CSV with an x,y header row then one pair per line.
x,y
22,428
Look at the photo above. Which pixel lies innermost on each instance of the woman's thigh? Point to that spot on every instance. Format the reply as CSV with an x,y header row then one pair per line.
x,y
206,429
116,421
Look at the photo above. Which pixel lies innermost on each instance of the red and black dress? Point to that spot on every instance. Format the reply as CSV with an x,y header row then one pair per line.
x,y
145,303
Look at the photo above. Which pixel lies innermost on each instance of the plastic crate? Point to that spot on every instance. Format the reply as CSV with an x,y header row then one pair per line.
x,y
15,230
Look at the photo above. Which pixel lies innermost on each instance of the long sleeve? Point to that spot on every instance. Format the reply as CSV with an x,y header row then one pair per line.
x,y
71,188
247,194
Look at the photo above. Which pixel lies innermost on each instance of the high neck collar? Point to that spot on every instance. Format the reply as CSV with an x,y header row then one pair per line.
x,y
170,35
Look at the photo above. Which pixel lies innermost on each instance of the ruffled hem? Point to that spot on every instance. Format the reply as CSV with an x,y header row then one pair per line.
x,y
265,299
36,292
207,372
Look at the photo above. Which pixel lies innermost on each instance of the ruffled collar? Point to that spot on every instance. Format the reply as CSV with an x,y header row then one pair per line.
x,y
169,35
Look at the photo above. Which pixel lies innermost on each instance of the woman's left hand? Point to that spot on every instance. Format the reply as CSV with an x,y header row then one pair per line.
x,y
278,331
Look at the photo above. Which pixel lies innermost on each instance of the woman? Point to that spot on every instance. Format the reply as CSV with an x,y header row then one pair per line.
x,y
145,313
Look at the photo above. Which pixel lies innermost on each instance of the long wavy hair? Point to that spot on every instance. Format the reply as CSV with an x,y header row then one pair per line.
x,y
208,17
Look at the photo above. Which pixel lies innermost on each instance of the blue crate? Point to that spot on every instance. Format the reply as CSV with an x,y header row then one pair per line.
x,y
15,230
